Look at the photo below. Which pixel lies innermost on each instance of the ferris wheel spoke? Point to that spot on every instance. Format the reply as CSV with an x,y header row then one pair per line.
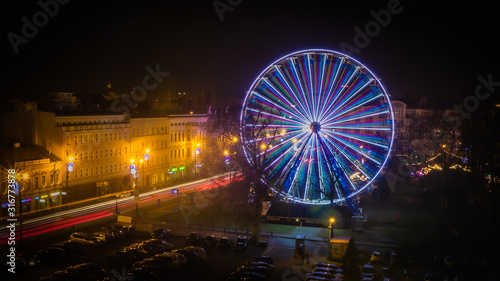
x,y
300,88
283,98
360,116
350,94
359,104
347,155
365,152
332,85
348,74
292,92
274,106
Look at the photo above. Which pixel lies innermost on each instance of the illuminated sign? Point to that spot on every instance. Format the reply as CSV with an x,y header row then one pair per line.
x,y
182,168
174,169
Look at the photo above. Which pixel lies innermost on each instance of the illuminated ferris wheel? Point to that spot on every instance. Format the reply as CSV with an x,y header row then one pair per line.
x,y
323,123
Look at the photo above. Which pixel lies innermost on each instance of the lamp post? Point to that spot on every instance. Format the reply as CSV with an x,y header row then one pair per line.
x,y
332,221
69,168
133,173
145,158
196,152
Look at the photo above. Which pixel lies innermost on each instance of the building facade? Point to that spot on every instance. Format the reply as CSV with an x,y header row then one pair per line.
x,y
91,154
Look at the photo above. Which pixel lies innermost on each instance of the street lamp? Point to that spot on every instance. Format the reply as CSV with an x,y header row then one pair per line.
x,y
134,175
70,165
332,221
197,151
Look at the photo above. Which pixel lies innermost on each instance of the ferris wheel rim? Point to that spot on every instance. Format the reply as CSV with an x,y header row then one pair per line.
x,y
353,61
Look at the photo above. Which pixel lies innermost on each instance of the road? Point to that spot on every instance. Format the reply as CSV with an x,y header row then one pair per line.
x,y
68,218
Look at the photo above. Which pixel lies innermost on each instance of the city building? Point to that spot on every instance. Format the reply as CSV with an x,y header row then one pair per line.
x,y
39,177
92,152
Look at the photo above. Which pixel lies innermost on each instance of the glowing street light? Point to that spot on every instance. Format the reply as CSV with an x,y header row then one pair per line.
x,y
332,221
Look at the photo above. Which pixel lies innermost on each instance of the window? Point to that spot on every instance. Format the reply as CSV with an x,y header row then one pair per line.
x,y
81,138
96,137
86,155
76,139
86,172
119,151
86,138
125,150
106,137
101,137
91,137
91,171
115,167
119,135
67,139
154,180
51,179
81,173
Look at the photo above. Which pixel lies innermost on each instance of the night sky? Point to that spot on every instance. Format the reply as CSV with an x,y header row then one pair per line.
x,y
425,49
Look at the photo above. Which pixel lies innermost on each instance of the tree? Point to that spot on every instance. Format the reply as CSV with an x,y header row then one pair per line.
x,y
249,147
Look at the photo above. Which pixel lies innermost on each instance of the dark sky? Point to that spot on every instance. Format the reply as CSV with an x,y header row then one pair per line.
x,y
427,49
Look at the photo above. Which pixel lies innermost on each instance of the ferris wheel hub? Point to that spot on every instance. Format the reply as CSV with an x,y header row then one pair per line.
x,y
315,127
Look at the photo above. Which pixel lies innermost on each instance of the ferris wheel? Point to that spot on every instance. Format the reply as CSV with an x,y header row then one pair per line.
x,y
321,123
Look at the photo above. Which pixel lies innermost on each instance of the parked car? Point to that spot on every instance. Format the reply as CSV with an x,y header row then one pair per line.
x,y
180,257
368,271
320,274
210,241
267,259
147,249
191,255
194,239
201,253
158,245
241,243
49,256
225,242
86,271
269,266
325,264
140,274
85,239
246,275
128,230
69,246
161,233
103,237
173,260
159,266
257,269
128,255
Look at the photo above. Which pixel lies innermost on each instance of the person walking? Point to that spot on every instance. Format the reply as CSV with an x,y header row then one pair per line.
x,y
399,215
303,256
308,254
